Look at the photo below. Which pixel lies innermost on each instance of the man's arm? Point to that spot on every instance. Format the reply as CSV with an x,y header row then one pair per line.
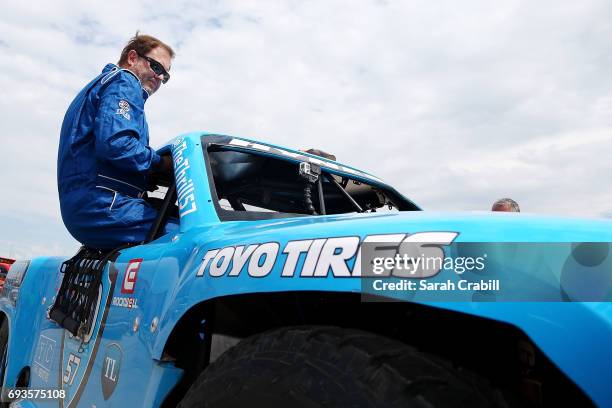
x,y
120,129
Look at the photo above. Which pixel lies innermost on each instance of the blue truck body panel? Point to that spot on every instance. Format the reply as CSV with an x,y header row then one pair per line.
x,y
148,288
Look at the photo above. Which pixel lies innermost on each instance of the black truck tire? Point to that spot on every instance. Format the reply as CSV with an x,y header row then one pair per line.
x,y
308,367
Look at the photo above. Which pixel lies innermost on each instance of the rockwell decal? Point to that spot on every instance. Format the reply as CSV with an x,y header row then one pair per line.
x,y
126,302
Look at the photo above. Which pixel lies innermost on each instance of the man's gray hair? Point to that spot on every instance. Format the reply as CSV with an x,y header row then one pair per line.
x,y
509,202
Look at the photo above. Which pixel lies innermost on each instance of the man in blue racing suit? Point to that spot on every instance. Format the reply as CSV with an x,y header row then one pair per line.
x,y
104,158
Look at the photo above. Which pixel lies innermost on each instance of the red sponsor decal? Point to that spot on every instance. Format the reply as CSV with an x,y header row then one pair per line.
x,y
131,273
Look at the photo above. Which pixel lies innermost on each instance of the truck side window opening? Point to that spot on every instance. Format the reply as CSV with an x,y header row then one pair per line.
x,y
247,182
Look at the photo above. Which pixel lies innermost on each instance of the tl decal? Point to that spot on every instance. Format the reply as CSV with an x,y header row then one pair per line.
x,y
111,365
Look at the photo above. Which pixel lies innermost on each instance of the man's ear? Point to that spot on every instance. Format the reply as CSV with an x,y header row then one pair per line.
x,y
132,58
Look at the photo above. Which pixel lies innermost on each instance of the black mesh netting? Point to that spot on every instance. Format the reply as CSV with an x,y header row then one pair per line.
x,y
75,304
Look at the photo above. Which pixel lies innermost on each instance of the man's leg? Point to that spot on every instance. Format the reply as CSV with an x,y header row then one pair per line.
x,y
106,220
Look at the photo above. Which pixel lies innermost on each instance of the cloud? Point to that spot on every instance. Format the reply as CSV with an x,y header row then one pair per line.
x,y
455,106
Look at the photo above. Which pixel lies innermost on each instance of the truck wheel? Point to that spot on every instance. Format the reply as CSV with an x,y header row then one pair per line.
x,y
299,367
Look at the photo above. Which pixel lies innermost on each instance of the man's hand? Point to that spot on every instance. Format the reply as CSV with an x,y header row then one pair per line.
x,y
319,153
163,172
166,164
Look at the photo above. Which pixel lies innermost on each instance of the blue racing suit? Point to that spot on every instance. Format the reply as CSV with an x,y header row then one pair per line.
x,y
103,162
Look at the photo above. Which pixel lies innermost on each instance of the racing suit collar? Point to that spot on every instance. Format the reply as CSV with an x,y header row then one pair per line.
x,y
110,66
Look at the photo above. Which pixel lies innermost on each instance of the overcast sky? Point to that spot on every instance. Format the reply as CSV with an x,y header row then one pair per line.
x,y
455,104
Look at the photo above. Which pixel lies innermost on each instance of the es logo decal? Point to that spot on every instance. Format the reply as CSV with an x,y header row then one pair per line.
x,y
128,286
131,274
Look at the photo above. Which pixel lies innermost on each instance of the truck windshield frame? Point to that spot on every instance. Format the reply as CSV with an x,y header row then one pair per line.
x,y
250,181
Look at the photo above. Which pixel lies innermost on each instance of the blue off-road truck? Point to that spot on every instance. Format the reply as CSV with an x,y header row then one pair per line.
x,y
270,294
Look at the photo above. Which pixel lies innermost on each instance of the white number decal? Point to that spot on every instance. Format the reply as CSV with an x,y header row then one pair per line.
x,y
73,366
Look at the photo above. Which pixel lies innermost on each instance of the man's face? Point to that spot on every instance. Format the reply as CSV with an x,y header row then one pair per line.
x,y
142,68
502,207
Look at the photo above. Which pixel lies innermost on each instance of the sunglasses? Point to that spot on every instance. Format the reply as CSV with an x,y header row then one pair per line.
x,y
157,68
